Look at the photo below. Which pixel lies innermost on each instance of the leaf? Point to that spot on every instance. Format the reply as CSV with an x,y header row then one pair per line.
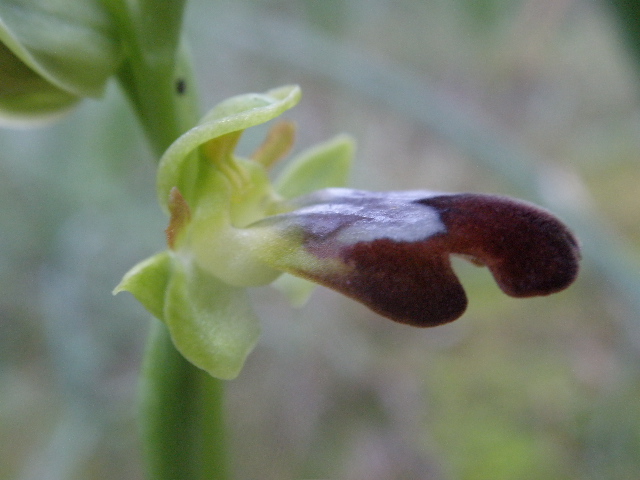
x,y
211,323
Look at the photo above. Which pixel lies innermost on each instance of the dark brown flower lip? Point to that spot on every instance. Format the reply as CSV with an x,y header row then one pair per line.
x,y
528,250
395,248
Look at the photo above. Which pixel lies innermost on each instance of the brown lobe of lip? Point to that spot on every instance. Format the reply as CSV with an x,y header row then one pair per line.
x,y
410,283
528,251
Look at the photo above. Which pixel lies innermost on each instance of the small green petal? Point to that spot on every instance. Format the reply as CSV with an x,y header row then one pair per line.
x,y
147,281
277,145
211,323
179,166
322,166
180,217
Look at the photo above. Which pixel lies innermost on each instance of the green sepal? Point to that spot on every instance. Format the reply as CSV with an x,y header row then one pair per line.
x,y
322,166
148,281
211,323
182,164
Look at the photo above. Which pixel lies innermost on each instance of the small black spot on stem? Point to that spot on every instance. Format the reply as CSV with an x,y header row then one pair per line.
x,y
181,86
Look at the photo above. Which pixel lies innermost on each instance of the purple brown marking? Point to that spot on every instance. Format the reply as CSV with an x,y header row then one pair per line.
x,y
528,250
405,274
410,283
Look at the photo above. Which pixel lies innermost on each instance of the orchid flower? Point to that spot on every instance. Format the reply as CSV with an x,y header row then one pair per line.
x,y
231,228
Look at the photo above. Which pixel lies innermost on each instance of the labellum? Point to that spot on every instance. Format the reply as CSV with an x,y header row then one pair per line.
x,y
391,251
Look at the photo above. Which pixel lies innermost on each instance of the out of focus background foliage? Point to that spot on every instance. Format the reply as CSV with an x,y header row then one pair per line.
x,y
534,98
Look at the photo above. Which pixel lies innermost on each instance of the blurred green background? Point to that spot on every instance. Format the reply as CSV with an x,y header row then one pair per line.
x,y
534,98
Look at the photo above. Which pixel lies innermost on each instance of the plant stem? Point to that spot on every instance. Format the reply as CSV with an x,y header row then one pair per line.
x,y
156,73
181,409
181,405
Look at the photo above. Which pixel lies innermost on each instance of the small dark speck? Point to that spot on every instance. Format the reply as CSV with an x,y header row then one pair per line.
x,y
181,86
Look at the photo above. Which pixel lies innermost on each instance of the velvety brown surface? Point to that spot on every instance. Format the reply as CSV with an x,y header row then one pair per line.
x,y
528,250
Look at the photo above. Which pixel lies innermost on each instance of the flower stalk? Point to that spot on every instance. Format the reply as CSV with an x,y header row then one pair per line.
x,y
182,415
156,73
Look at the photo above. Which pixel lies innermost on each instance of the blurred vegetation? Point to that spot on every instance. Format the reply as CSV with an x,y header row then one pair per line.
x,y
538,99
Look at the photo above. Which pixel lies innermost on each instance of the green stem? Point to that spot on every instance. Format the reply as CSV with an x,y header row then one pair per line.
x,y
181,409
181,405
163,97
156,74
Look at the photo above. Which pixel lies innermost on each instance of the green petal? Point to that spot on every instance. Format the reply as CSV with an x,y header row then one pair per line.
x,y
211,323
147,281
70,44
322,166
179,166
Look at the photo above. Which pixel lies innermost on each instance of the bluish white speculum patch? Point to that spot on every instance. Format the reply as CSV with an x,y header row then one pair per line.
x,y
353,216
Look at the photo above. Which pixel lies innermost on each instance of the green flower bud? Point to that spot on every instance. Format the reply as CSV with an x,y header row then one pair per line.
x,y
52,54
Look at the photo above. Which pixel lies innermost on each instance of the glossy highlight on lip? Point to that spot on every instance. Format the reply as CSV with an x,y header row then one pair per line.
x,y
395,248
